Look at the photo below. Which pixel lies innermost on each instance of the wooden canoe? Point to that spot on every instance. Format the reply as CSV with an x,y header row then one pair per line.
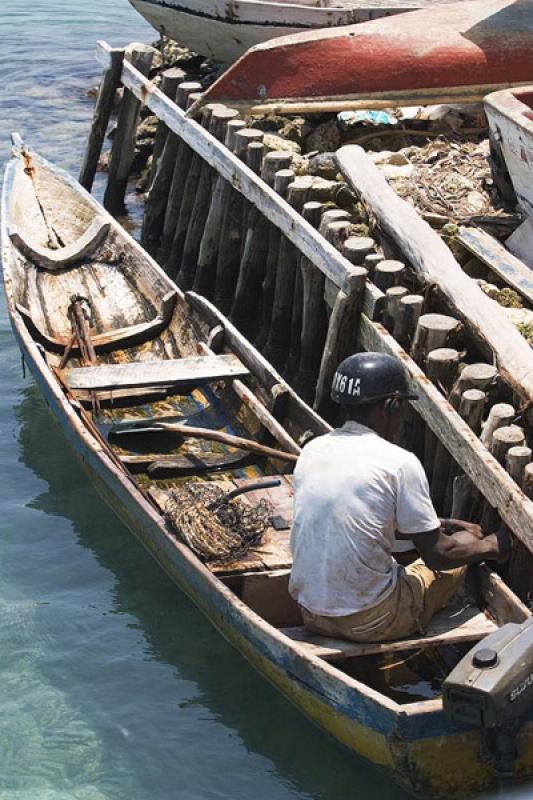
x,y
225,29
175,356
451,52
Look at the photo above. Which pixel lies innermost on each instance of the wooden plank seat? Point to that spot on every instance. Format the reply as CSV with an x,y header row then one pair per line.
x,y
193,370
167,465
62,257
116,339
453,624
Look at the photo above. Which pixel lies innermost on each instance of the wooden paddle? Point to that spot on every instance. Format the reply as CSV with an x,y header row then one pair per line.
x,y
226,438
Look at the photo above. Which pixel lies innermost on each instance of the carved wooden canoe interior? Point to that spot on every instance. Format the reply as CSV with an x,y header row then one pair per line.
x,y
115,347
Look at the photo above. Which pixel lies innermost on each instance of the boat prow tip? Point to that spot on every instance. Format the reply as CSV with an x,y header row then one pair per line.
x,y
17,143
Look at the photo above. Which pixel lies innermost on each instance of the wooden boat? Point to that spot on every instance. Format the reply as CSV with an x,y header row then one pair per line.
x,y
510,116
455,51
113,345
224,29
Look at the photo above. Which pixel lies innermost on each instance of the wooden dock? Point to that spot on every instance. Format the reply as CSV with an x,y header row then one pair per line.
x,y
234,225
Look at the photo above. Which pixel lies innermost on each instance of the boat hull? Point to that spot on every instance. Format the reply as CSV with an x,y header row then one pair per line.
x,y
224,29
510,116
457,49
417,744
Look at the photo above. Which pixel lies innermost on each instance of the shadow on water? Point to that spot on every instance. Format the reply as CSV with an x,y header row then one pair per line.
x,y
209,681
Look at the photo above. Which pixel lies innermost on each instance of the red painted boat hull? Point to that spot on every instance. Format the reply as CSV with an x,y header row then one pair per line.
x,y
451,49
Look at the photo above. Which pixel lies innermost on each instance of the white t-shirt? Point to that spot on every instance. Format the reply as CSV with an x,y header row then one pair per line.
x,y
352,491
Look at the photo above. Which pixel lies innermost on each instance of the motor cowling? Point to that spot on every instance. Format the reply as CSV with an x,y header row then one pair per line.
x,y
492,688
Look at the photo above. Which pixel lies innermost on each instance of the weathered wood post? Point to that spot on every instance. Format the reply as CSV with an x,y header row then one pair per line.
x,y
220,117
471,409
123,147
314,318
207,256
102,113
389,273
464,495
393,298
187,202
282,180
231,233
170,81
342,334
520,568
277,346
473,376
442,366
246,311
409,312
501,415
157,201
432,332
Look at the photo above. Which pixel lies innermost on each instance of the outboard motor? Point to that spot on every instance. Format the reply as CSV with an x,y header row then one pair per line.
x,y
492,689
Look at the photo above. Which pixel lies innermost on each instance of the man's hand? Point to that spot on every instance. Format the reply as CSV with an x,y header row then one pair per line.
x,y
503,544
451,526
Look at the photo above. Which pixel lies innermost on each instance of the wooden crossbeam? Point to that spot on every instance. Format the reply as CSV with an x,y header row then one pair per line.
x,y
297,230
181,371
503,263
467,625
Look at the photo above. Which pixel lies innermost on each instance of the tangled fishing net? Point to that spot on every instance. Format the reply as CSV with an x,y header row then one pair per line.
x,y
216,530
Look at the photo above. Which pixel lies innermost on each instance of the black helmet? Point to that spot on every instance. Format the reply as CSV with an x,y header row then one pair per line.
x,y
369,378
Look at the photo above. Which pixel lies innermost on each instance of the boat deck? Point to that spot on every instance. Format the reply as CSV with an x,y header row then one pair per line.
x,y
273,553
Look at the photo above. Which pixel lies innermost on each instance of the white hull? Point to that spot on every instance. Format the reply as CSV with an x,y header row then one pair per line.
x,y
510,116
224,29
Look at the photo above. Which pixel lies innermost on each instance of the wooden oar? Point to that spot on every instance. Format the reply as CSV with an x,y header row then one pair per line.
x,y
227,438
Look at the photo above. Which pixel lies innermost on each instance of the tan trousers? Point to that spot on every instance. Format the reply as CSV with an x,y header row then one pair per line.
x,y
419,593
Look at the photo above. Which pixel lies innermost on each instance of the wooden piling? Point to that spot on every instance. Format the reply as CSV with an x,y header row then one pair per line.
x,y
432,332
314,317
282,180
409,311
170,81
442,366
473,376
231,233
388,273
371,261
464,495
520,567
341,336
220,117
188,199
501,415
207,257
471,409
393,298
357,248
247,308
158,205
102,113
123,147
277,346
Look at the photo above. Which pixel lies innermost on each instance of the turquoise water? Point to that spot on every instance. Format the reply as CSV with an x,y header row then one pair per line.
x,y
112,685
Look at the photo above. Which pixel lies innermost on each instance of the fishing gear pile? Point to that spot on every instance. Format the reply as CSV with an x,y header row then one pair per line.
x,y
216,528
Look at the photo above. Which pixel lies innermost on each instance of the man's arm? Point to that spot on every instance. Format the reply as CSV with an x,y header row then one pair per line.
x,y
462,547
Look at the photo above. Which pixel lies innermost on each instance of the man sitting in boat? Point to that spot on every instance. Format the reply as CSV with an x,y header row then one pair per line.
x,y
354,493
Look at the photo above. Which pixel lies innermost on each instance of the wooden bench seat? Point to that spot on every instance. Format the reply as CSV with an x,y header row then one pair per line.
x,y
115,339
450,626
62,257
193,370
